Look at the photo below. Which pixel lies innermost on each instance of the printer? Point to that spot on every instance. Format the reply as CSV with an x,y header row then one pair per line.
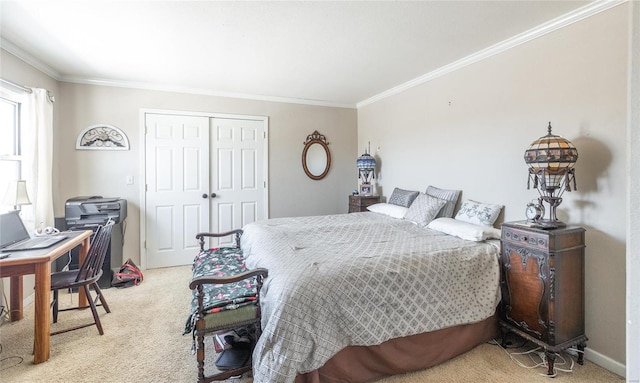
x,y
88,213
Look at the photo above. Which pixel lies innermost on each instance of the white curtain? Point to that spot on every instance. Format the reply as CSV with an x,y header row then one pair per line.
x,y
37,150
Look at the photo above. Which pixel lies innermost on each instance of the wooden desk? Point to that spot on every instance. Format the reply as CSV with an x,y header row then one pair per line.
x,y
38,262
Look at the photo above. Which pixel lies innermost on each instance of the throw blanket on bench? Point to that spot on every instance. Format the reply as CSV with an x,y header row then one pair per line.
x,y
221,262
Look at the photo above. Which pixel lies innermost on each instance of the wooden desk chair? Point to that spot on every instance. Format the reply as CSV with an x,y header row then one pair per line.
x,y
85,277
221,299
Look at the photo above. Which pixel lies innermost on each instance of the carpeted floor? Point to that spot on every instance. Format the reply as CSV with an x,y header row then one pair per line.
x,y
143,343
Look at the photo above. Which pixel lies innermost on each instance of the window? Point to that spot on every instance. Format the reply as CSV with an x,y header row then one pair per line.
x,y
10,153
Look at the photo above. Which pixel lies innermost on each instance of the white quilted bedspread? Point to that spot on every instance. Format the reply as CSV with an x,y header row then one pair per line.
x,y
360,279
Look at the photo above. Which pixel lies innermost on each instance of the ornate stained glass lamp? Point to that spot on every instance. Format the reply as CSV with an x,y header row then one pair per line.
x,y
366,167
551,159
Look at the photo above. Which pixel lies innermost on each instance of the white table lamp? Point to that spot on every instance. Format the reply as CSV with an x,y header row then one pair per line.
x,y
16,194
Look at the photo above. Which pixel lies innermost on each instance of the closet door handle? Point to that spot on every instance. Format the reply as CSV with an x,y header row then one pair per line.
x,y
213,195
205,196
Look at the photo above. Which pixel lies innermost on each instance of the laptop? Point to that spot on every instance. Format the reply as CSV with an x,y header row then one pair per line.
x,y
15,237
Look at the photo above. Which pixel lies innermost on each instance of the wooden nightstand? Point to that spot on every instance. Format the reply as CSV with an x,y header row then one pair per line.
x,y
360,202
543,287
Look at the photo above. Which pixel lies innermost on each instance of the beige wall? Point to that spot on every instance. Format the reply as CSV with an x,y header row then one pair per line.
x,y
291,192
469,129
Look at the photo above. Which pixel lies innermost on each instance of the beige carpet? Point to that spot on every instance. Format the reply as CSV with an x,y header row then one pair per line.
x,y
143,343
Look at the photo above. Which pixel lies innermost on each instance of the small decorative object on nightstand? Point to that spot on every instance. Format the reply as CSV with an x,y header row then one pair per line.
x,y
543,287
358,203
534,211
366,190
366,168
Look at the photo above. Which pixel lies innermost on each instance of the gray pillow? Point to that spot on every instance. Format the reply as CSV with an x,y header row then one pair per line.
x,y
402,197
424,209
451,196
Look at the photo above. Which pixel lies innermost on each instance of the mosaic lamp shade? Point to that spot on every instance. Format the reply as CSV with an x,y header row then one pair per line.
x,y
366,167
551,161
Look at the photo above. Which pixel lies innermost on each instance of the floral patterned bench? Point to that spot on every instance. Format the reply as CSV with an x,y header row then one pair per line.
x,y
225,297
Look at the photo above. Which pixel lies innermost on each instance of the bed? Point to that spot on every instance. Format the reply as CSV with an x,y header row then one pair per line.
x,y
356,297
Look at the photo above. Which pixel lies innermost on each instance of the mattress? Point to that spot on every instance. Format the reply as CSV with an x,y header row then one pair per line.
x,y
359,280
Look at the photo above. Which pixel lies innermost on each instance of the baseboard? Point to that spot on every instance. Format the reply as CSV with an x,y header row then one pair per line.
x,y
605,362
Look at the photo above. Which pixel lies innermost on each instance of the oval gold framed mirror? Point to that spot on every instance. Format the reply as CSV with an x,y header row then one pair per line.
x,y
316,157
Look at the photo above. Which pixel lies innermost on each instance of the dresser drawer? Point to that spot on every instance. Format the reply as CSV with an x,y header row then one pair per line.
x,y
539,240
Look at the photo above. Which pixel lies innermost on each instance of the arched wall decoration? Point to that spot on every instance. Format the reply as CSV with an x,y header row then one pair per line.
x,y
102,137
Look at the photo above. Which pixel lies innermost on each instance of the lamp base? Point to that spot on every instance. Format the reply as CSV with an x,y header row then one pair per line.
x,y
547,224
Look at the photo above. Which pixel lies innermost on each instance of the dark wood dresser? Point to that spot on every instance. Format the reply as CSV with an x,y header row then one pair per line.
x,y
543,287
360,202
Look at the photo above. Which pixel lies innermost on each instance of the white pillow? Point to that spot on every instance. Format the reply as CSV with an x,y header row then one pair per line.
x,y
464,230
391,210
478,213
424,209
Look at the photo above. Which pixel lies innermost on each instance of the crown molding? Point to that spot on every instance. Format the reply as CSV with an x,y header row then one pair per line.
x,y
29,58
539,31
201,91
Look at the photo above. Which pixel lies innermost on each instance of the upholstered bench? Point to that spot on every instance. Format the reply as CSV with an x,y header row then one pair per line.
x,y
225,297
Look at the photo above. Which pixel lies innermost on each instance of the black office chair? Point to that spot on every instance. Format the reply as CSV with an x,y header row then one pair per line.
x,y
85,277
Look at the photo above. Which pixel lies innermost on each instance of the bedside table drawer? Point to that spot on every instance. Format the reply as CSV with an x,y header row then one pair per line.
x,y
526,237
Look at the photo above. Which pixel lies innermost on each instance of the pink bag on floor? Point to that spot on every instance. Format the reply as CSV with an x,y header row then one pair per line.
x,y
128,275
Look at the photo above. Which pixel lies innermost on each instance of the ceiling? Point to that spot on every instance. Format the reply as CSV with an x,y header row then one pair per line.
x,y
331,53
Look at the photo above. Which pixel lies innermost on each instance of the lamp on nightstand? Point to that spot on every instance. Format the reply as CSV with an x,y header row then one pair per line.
x,y
366,167
551,159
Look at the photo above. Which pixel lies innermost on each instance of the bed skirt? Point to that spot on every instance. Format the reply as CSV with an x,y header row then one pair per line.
x,y
359,364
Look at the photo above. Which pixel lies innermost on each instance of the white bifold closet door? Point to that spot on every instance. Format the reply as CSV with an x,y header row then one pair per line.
x,y
203,174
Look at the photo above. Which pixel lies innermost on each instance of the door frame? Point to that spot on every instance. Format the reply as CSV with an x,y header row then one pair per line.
x,y
143,168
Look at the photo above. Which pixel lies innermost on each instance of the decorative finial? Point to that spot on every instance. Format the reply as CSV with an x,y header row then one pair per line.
x,y
549,128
